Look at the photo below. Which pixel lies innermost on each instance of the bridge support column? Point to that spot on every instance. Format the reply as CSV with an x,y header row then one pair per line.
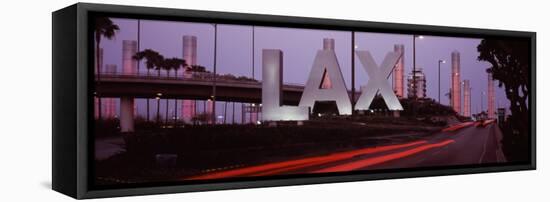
x,y
129,66
126,114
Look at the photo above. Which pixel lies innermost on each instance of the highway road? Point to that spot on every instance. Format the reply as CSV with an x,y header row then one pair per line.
x,y
469,143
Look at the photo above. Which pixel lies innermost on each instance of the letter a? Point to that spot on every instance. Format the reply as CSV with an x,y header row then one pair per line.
x,y
326,60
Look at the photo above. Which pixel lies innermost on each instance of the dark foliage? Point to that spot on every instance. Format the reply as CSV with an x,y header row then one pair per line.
x,y
422,107
107,128
154,60
509,61
103,27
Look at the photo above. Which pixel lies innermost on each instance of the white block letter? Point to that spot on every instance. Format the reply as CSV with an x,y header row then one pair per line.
x,y
326,62
378,77
272,83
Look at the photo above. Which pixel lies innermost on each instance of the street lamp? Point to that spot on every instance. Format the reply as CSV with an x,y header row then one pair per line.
x,y
253,49
158,107
353,48
414,63
439,80
470,100
213,117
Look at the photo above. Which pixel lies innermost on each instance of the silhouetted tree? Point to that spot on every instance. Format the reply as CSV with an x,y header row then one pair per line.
x,y
104,27
197,68
174,64
153,61
509,61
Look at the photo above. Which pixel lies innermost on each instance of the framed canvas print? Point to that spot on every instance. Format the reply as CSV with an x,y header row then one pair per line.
x,y
154,100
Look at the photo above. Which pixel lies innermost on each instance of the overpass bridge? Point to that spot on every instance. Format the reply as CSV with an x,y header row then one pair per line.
x,y
144,86
126,87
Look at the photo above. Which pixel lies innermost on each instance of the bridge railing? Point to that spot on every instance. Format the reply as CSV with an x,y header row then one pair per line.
x,y
197,76
194,76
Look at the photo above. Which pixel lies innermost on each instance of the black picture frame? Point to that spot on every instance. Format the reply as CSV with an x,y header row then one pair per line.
x,y
72,104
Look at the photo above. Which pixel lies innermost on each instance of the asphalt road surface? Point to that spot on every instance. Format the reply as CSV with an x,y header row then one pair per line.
x,y
463,144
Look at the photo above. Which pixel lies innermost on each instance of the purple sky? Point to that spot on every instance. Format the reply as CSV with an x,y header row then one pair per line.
x,y
299,47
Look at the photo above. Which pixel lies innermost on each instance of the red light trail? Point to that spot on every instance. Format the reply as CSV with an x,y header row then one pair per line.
x,y
457,126
278,167
285,166
381,159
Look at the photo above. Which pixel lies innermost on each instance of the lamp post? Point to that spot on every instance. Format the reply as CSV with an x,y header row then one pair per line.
x,y
353,47
470,102
439,80
414,64
213,117
158,107
253,46
138,42
253,59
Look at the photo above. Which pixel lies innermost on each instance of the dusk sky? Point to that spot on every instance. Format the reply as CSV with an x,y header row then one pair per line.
x,y
299,47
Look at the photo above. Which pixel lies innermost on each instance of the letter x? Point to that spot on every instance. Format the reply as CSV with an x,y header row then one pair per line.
x,y
378,77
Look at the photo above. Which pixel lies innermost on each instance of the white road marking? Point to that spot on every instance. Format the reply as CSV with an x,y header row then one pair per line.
x,y
484,147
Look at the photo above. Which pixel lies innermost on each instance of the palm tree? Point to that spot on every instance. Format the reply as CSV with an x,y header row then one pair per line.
x,y
165,64
104,27
197,68
153,61
156,61
175,64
